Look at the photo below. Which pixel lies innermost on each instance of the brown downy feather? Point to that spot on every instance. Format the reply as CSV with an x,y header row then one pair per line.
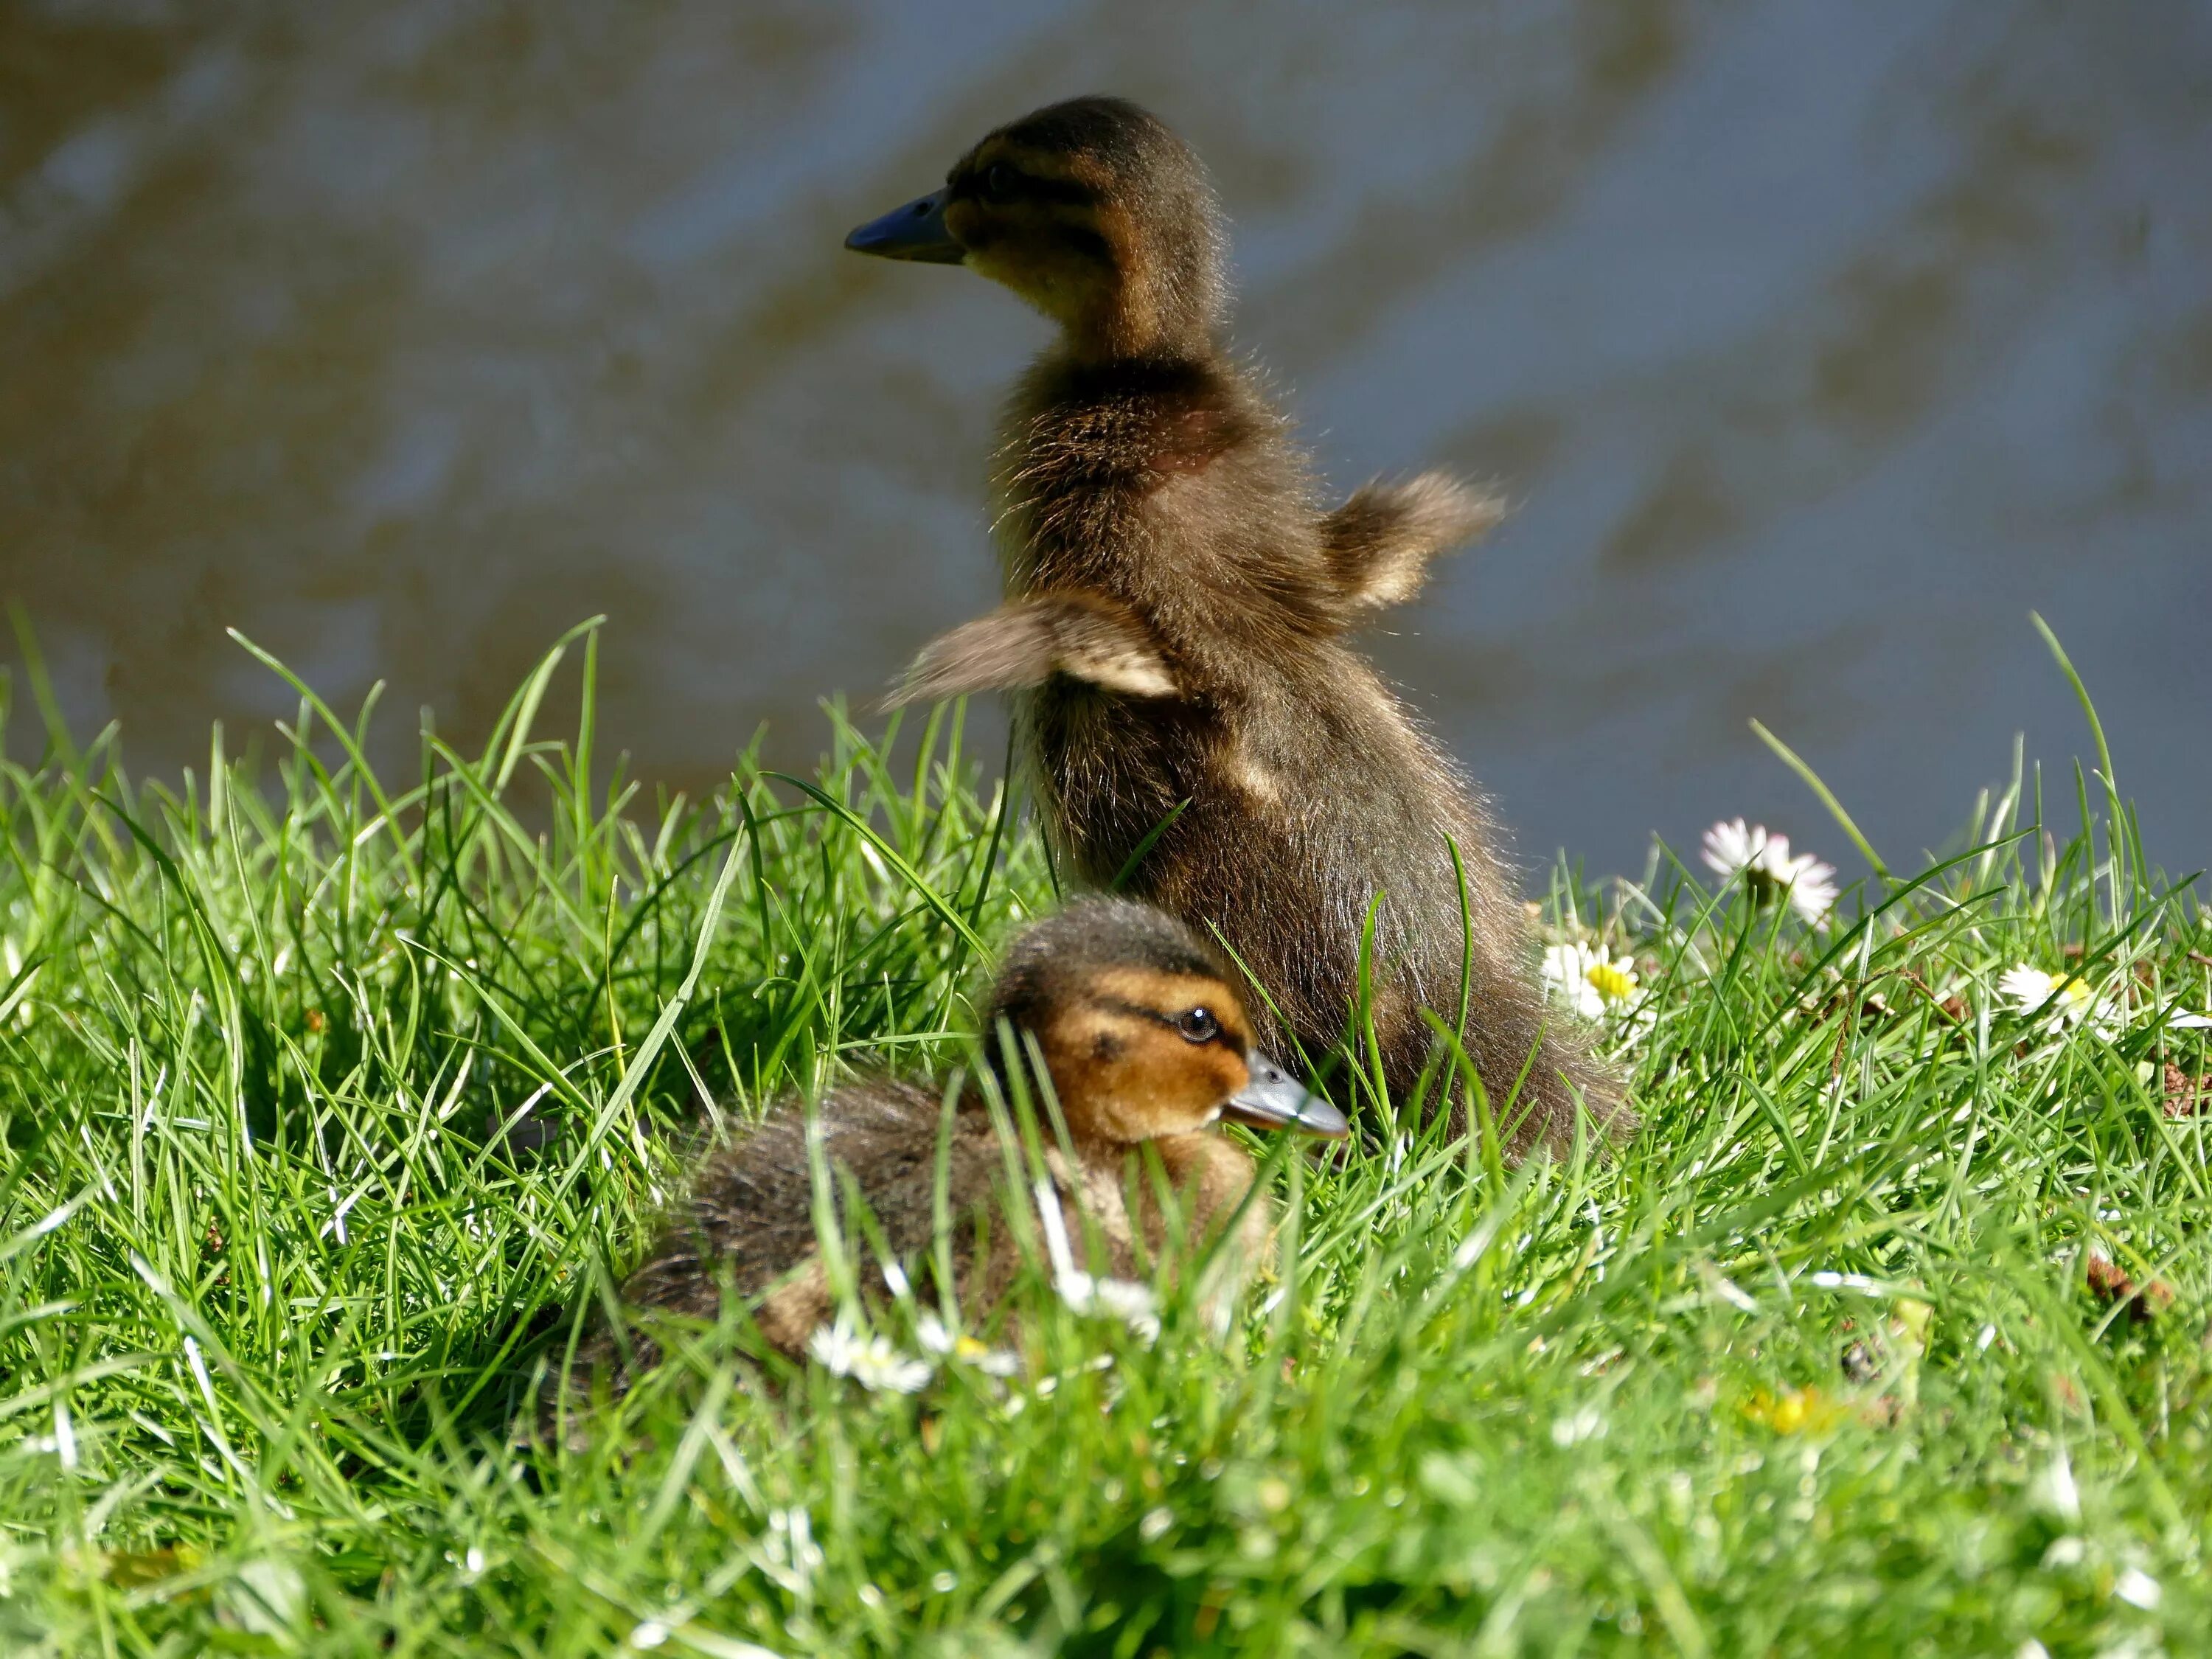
x,y
746,1226
1103,989
1148,487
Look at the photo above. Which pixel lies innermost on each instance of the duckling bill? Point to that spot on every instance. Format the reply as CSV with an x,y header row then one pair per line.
x,y
1174,632
1149,1049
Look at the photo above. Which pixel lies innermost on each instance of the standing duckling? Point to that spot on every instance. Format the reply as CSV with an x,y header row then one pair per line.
x,y
1176,604
1148,1048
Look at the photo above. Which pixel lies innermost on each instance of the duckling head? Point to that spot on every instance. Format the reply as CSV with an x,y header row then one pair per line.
x,y
1142,1030
1094,212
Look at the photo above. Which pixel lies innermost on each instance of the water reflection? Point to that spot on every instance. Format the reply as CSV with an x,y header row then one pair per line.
x,y
1817,346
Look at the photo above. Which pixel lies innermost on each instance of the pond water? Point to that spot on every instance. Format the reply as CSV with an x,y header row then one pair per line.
x,y
1817,345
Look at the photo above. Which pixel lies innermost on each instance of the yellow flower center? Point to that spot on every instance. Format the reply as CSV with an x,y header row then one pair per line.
x,y
2078,994
1614,984
1796,1411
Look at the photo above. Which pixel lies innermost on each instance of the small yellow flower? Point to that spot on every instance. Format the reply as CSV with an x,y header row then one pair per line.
x,y
1795,1411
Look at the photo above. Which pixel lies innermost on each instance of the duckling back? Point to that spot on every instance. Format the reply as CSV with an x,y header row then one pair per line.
x,y
745,1227
749,1220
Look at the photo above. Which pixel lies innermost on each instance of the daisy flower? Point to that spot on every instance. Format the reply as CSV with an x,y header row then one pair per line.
x,y
1810,883
2070,1000
992,1362
2138,1588
1589,979
870,1361
936,1338
1730,848
1763,859
1124,1299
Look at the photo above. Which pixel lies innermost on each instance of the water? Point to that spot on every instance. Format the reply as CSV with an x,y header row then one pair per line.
x,y
1818,345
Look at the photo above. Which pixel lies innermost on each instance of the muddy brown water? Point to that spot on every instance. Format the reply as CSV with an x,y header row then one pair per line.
x,y
1817,345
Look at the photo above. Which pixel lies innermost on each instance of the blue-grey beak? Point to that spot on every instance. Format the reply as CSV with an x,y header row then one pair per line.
x,y
1275,1100
916,231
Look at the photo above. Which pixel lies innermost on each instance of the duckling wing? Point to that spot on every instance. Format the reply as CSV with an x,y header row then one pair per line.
x,y
750,1217
1378,545
1024,643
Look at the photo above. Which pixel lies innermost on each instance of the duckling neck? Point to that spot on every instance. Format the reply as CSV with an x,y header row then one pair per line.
x,y
1135,324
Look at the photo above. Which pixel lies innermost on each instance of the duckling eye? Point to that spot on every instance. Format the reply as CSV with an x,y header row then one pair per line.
x,y
1199,1025
999,182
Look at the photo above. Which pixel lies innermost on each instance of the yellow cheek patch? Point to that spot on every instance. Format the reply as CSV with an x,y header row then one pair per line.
x,y
1083,1037
1125,1078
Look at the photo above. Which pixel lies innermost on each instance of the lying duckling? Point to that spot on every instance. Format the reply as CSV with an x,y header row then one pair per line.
x,y
1176,603
1147,1045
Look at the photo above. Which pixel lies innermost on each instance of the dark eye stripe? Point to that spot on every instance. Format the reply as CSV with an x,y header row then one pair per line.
x,y
1023,187
1173,1022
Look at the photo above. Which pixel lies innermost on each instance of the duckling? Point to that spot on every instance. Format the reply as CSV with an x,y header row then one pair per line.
x,y
1194,722
1148,1046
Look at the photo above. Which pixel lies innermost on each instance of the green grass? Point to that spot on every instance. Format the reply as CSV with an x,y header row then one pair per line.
x,y
1813,1366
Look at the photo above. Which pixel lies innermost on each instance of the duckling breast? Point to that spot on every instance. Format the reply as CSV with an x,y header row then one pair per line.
x,y
1210,1175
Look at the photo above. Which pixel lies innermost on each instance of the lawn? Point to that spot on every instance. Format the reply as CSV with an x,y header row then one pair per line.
x,y
331,1101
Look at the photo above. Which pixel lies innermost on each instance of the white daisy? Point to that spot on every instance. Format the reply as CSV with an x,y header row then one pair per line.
x,y
1810,883
992,1362
1589,979
1124,1299
2070,1000
2138,1588
1732,848
1763,859
936,1338
870,1361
